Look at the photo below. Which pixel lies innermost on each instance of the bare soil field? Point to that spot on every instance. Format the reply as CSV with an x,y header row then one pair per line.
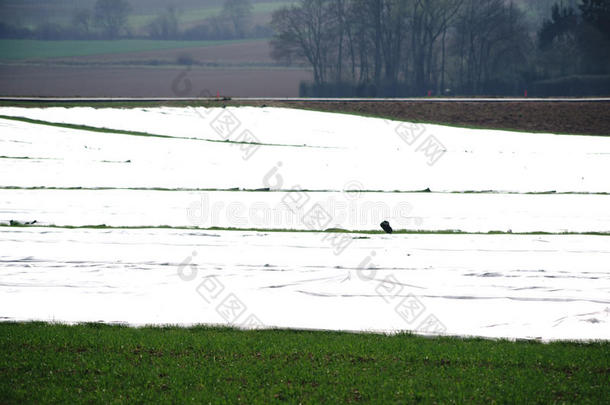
x,y
91,81
587,118
576,117
234,69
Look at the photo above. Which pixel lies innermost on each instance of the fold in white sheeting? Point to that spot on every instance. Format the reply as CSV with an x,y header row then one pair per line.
x,y
548,287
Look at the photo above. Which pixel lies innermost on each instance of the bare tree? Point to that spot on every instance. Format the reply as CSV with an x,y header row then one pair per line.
x,y
430,19
406,46
81,20
305,32
239,13
165,26
394,20
111,16
489,31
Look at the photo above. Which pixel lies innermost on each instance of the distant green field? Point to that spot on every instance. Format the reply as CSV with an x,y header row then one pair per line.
x,y
138,20
196,15
258,9
46,363
20,49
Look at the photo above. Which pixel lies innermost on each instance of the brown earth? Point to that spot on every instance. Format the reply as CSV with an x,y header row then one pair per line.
x,y
112,81
235,69
574,117
587,118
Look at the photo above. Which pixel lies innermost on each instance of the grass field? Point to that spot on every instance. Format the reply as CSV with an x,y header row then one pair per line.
x,y
259,10
134,133
20,49
32,13
92,362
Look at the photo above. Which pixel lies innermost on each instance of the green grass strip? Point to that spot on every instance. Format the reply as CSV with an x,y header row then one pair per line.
x,y
329,230
138,133
26,158
55,363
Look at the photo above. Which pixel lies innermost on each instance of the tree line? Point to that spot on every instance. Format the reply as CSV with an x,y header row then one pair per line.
x,y
441,47
109,19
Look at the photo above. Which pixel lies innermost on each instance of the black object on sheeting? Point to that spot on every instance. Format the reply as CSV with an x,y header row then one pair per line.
x,y
385,225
